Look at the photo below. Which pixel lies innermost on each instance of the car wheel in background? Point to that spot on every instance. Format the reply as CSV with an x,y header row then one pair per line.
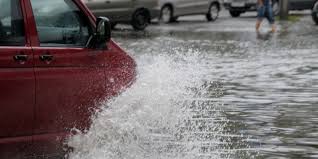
x,y
214,11
235,13
166,14
276,8
315,13
140,19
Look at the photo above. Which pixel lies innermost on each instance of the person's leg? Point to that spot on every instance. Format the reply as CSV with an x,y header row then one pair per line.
x,y
258,24
260,16
271,19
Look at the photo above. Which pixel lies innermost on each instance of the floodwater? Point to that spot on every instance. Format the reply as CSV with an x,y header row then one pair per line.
x,y
212,91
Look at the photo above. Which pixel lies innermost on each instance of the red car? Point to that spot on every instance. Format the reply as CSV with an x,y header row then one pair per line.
x,y
57,62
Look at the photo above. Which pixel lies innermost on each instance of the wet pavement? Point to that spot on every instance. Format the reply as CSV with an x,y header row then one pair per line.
x,y
263,87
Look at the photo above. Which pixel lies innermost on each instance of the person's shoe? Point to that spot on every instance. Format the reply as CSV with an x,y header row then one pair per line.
x,y
273,29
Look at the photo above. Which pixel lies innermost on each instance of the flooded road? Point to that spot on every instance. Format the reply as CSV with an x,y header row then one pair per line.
x,y
213,90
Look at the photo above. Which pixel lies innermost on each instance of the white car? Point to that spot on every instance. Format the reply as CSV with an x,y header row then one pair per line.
x,y
138,13
172,9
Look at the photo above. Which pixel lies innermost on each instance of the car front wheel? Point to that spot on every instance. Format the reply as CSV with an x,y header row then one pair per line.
x,y
315,13
235,13
140,19
214,11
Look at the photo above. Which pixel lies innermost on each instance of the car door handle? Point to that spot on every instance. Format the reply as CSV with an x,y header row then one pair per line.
x,y
46,57
20,57
107,2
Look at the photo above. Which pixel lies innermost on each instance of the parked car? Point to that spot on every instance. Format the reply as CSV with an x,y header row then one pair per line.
x,y
237,7
138,13
315,13
172,9
56,62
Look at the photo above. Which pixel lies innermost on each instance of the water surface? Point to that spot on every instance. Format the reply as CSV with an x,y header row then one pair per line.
x,y
213,90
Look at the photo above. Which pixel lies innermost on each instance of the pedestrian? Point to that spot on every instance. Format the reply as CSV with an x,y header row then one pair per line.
x,y
265,10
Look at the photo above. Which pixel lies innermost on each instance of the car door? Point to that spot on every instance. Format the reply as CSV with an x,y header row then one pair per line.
x,y
301,4
95,4
70,78
182,7
17,82
98,7
201,6
119,9
186,7
113,9
197,7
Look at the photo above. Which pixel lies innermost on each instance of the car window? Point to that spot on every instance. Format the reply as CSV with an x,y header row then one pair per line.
x,y
11,23
60,23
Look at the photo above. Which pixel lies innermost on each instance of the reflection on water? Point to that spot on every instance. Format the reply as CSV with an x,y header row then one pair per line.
x,y
264,36
212,94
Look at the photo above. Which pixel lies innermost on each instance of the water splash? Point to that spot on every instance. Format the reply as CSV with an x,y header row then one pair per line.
x,y
169,113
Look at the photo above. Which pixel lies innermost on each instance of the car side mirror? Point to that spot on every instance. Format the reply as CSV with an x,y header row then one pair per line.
x,y
102,34
103,29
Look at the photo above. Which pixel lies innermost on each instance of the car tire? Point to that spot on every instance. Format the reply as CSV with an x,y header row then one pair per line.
x,y
315,13
214,11
235,14
166,14
140,19
276,8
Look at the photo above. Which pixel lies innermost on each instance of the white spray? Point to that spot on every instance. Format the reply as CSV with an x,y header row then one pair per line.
x,y
161,116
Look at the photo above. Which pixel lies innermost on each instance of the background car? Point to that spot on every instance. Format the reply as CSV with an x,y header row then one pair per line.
x,y
172,9
237,7
136,12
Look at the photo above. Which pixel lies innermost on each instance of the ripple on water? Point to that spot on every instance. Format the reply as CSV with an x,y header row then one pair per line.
x,y
265,107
